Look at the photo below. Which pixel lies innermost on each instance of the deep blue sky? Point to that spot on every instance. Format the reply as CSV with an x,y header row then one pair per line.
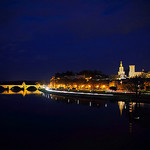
x,y
41,37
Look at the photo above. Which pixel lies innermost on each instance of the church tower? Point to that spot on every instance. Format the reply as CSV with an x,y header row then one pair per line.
x,y
121,71
131,71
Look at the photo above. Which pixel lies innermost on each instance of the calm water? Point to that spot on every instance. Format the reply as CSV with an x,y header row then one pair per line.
x,y
54,122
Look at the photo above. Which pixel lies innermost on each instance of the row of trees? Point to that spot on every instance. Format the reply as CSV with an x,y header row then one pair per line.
x,y
86,73
137,85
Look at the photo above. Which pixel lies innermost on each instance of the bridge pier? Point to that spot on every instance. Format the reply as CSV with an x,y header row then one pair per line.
x,y
8,87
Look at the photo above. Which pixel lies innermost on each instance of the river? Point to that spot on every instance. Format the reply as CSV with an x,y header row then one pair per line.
x,y
44,121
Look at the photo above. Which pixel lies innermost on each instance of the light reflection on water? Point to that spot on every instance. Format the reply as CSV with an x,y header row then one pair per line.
x,y
45,121
21,92
134,110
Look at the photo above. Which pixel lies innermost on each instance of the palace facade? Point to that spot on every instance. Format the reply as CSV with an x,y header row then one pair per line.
x,y
132,73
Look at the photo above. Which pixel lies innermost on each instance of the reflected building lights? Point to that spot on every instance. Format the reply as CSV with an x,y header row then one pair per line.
x,y
130,117
121,105
90,104
125,107
129,106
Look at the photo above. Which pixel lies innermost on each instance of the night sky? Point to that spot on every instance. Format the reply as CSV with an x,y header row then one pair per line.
x,y
41,37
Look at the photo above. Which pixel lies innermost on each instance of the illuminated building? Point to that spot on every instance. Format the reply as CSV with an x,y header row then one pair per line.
x,y
132,72
121,71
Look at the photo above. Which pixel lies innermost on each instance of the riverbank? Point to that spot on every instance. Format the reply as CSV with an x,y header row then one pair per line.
x,y
76,94
144,97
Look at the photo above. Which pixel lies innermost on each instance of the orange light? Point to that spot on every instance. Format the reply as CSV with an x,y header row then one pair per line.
x,y
75,86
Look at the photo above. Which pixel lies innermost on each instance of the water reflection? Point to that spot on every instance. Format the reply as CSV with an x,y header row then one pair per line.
x,y
136,112
22,92
121,106
79,101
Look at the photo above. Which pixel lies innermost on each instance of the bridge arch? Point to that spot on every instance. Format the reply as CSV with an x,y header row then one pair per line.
x,y
23,86
32,88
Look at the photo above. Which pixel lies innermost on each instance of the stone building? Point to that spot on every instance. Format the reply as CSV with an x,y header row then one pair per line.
x,y
121,71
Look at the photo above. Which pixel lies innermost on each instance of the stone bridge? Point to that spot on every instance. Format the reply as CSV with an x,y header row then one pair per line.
x,y
24,86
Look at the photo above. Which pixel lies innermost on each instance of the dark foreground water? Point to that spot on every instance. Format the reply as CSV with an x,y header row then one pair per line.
x,y
54,122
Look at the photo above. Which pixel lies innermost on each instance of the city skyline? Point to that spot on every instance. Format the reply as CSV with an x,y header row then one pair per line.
x,y
40,38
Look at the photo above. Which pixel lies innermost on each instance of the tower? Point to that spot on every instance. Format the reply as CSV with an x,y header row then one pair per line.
x,y
131,71
121,71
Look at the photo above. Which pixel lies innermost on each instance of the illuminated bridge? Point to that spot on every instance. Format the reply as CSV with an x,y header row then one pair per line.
x,y
23,86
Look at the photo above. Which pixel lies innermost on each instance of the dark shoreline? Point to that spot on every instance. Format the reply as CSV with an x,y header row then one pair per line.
x,y
115,97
